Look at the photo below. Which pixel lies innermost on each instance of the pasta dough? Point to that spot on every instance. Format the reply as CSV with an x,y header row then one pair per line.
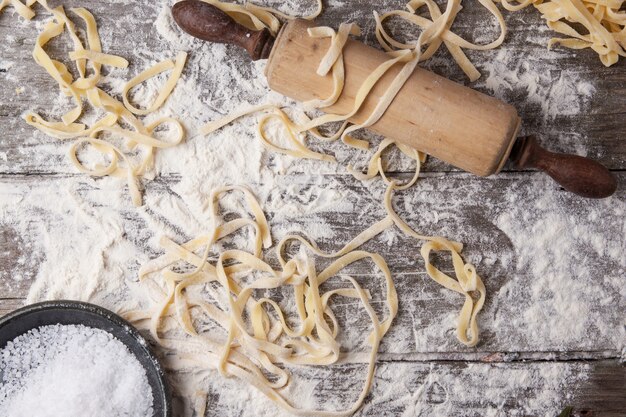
x,y
258,338
604,22
140,139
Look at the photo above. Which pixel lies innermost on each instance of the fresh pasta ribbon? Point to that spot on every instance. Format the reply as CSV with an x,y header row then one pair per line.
x,y
467,282
442,34
22,9
85,86
177,69
258,17
375,166
604,24
333,60
113,168
58,72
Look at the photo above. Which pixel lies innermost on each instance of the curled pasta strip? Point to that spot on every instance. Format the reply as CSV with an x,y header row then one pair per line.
x,y
93,39
332,60
130,172
453,42
338,41
375,166
60,130
301,150
52,30
258,17
21,8
177,70
467,278
467,281
85,86
112,169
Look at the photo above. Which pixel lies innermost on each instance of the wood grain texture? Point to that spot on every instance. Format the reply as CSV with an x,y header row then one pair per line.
x,y
421,344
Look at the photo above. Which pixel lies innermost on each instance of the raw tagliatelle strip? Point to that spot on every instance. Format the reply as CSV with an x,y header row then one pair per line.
x,y
177,69
467,281
23,9
258,17
443,34
375,166
333,60
254,337
604,24
140,140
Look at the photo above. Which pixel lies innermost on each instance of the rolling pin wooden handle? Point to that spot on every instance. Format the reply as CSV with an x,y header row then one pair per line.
x,y
577,174
207,22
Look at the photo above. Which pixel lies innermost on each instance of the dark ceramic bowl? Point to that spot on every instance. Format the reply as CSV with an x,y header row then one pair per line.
x,y
74,312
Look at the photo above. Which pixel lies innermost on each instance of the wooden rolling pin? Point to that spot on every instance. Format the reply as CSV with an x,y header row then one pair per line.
x,y
449,121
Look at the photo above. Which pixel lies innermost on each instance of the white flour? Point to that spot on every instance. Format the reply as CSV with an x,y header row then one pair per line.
x,y
89,242
514,75
557,258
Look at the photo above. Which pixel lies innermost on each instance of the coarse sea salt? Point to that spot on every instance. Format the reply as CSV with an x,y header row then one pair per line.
x,y
71,371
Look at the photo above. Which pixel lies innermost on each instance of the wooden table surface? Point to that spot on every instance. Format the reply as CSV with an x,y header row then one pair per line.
x,y
31,162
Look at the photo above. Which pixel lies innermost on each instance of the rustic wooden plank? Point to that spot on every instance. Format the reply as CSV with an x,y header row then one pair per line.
x,y
8,305
427,312
439,388
592,388
596,131
604,392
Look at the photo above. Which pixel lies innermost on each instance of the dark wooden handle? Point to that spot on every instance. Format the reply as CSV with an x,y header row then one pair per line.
x,y
577,174
207,22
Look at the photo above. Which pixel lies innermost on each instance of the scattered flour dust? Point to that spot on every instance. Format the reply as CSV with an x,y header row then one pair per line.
x,y
560,251
72,371
551,93
442,390
89,242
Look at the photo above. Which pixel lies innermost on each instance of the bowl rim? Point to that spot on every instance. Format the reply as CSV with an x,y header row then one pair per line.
x,y
113,318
